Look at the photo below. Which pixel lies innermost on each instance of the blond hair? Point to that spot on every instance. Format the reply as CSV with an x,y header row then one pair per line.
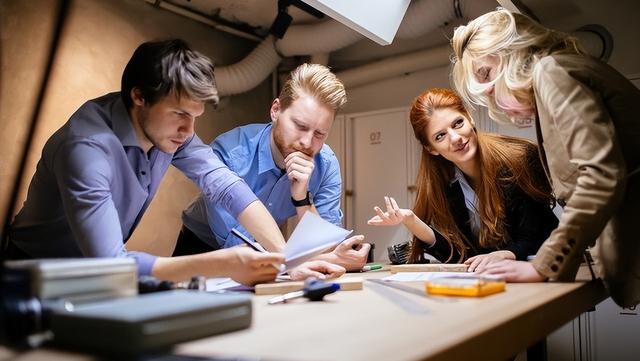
x,y
518,42
314,80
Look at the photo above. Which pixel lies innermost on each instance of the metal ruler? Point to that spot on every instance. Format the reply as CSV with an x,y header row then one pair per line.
x,y
399,286
409,305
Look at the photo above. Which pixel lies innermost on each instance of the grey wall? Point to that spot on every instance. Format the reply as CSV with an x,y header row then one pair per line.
x,y
395,92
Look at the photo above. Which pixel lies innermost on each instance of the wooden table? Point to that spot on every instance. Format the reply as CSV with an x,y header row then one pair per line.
x,y
369,325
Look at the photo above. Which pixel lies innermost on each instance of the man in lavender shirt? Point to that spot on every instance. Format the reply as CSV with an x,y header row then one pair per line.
x,y
99,172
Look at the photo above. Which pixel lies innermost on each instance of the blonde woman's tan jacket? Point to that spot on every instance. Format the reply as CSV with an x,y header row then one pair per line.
x,y
588,127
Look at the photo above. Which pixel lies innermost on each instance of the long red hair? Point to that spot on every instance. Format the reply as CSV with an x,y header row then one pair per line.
x,y
503,160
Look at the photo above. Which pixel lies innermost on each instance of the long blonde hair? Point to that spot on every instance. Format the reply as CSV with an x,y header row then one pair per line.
x,y
503,160
518,42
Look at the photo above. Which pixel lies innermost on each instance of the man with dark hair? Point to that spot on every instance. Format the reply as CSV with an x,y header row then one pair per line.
x,y
99,172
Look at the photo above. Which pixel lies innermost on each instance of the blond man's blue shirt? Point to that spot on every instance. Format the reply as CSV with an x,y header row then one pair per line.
x,y
246,150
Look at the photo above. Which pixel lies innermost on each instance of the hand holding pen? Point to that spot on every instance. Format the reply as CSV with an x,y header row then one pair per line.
x,y
243,264
315,268
258,248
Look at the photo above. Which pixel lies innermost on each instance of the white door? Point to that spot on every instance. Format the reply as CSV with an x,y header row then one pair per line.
x,y
380,157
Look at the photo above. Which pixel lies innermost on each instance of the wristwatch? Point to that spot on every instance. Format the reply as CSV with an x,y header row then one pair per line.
x,y
303,202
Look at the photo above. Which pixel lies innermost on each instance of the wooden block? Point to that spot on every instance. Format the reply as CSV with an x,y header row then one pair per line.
x,y
278,288
444,267
350,283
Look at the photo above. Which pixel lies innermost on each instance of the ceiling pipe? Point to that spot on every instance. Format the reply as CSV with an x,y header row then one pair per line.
x,y
422,17
202,19
250,71
596,40
323,37
319,58
398,65
425,16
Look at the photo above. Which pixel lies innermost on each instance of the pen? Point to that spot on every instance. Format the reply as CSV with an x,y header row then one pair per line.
x,y
255,245
371,267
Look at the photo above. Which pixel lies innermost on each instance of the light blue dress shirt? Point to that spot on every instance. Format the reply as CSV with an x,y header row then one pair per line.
x,y
470,200
246,150
93,183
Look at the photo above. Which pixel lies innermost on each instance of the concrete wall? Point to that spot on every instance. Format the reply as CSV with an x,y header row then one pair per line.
x,y
98,39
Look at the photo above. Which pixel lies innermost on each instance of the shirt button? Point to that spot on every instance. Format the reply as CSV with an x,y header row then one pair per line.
x,y
143,172
554,268
566,250
572,242
270,204
559,258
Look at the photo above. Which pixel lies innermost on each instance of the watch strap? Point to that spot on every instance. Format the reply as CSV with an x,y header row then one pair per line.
x,y
303,202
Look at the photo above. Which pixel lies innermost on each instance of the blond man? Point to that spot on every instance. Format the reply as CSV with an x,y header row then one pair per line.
x,y
287,165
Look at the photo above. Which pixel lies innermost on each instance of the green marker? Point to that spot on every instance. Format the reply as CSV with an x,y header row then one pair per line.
x,y
371,267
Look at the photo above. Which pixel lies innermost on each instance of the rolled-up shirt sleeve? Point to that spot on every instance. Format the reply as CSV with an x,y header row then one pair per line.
x,y
144,262
218,183
83,176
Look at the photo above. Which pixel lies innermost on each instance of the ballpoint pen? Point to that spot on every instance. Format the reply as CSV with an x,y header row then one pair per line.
x,y
256,247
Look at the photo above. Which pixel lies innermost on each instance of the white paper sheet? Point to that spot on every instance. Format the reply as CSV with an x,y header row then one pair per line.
x,y
220,284
312,236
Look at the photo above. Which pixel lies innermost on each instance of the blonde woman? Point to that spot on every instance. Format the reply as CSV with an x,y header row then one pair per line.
x,y
586,118
481,197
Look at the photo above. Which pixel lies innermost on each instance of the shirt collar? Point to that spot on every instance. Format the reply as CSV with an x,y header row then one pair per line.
x,y
458,176
122,124
265,156
470,200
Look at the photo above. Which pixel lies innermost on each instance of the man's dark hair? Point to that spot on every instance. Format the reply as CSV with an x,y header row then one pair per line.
x,y
162,67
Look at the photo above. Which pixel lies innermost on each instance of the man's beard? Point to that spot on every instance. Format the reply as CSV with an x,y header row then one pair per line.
x,y
285,150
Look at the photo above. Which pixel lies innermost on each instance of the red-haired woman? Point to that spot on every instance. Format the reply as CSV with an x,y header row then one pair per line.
x,y
481,198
